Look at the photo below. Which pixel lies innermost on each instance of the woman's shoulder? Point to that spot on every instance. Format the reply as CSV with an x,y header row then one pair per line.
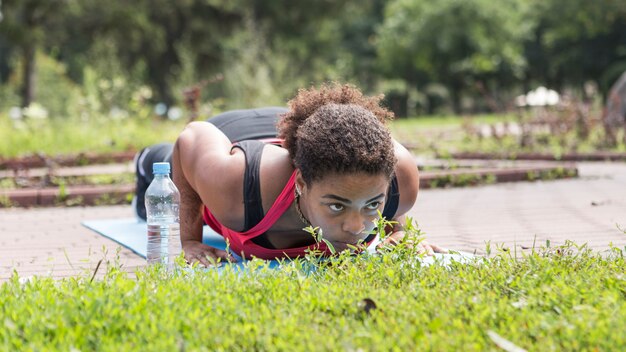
x,y
276,169
408,178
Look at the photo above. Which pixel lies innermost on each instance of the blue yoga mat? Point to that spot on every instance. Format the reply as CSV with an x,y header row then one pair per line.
x,y
131,233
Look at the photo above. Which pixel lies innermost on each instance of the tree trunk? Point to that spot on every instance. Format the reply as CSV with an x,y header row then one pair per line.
x,y
455,95
29,74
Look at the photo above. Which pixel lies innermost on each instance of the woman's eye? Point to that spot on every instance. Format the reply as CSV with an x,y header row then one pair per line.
x,y
336,207
373,206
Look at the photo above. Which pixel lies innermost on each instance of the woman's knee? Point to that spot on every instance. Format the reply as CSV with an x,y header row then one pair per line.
x,y
144,159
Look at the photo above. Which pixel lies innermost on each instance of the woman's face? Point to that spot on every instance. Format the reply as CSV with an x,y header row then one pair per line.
x,y
344,206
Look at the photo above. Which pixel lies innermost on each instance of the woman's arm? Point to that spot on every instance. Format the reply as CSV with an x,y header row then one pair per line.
x,y
201,152
397,234
408,180
408,183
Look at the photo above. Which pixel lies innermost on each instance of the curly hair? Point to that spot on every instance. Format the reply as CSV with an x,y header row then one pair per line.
x,y
336,129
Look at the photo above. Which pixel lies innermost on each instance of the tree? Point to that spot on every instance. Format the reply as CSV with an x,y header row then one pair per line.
x,y
456,43
577,41
304,37
151,36
28,25
358,33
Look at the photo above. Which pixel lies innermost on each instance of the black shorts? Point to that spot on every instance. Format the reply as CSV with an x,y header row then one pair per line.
x,y
237,125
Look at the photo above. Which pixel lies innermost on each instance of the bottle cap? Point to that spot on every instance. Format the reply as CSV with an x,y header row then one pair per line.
x,y
161,168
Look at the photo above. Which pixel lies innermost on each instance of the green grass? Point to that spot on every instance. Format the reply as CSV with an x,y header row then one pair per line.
x,y
448,120
70,136
430,135
441,136
435,135
96,180
551,299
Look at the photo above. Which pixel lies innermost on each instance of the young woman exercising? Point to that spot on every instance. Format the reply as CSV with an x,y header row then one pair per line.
x,y
258,177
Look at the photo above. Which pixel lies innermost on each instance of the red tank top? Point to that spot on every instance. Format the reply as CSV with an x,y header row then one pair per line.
x,y
241,242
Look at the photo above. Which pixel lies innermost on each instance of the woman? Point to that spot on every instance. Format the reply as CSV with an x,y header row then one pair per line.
x,y
336,169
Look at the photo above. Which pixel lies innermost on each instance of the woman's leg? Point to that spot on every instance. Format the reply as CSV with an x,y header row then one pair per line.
x,y
241,125
143,172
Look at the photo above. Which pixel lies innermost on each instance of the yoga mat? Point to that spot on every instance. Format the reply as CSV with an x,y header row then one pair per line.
x,y
131,233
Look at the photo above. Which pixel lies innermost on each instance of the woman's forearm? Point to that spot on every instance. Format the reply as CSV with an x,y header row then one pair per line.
x,y
190,202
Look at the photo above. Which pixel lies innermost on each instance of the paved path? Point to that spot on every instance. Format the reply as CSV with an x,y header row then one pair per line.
x,y
51,241
584,210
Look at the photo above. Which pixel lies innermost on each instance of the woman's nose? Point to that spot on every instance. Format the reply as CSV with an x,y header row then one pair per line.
x,y
354,224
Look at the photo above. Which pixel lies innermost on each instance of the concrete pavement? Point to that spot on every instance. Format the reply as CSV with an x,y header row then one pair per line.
x,y
585,210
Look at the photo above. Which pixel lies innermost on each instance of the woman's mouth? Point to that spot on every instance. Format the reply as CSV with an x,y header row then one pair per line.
x,y
341,245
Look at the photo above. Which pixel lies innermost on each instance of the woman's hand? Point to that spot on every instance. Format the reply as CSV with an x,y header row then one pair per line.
x,y
421,246
198,252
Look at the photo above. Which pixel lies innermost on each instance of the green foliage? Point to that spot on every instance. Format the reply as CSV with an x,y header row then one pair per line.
x,y
110,89
5,202
8,97
248,80
56,92
425,136
69,136
457,43
474,37
551,174
63,181
589,46
473,55
560,134
553,298
462,180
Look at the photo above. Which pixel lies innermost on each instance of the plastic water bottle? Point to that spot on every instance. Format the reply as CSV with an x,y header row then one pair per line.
x,y
162,204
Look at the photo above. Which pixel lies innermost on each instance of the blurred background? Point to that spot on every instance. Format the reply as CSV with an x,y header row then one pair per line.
x,y
100,75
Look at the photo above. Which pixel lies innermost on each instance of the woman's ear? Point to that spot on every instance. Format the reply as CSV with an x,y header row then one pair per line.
x,y
300,184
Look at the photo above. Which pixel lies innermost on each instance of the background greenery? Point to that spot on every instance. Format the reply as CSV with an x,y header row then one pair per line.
x,y
98,76
120,58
